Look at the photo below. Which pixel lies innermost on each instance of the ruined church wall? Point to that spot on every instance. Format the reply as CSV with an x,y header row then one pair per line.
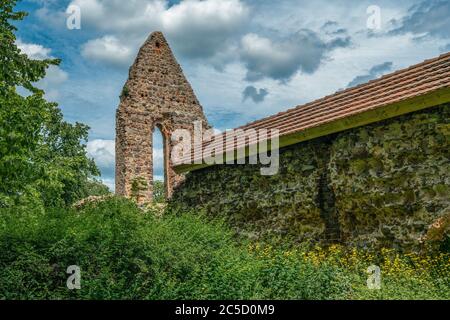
x,y
378,185
156,94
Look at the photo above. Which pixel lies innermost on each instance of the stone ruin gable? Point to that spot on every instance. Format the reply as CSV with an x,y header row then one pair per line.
x,y
156,94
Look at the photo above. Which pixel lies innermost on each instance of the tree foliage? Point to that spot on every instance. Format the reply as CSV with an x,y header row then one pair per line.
x,y
126,253
42,158
16,69
159,191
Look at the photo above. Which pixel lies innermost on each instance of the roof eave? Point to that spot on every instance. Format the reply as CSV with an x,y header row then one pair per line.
x,y
376,114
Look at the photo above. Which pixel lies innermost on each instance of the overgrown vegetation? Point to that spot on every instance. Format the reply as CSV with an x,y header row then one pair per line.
x,y
159,191
125,253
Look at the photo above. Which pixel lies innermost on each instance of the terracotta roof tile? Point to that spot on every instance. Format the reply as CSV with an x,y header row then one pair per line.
x,y
420,79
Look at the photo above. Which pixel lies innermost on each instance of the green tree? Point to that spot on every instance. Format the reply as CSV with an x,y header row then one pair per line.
x,y
42,158
95,187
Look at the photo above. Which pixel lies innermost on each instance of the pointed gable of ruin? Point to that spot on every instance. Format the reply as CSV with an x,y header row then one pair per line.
x,y
157,84
156,94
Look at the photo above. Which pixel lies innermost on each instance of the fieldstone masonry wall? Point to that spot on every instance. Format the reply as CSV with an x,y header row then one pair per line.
x,y
382,184
379,185
156,94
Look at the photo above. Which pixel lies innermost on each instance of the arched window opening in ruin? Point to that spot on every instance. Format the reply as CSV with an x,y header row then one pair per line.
x,y
159,165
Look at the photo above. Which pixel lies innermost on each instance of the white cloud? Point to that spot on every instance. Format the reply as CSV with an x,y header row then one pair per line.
x,y
264,57
280,59
257,95
103,152
54,77
33,51
138,15
203,28
110,183
426,18
373,73
158,162
114,15
52,18
108,49
197,29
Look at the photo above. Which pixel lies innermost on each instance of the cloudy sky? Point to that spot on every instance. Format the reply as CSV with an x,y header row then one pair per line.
x,y
245,59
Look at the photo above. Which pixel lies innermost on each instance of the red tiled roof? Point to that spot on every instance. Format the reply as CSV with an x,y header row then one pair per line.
x,y
417,80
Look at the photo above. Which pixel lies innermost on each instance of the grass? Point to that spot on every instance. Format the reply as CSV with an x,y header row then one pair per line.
x,y
124,253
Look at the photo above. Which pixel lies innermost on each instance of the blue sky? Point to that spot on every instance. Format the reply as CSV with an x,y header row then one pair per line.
x,y
245,59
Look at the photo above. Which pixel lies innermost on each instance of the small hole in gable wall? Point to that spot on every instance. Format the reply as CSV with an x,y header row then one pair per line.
x,y
157,44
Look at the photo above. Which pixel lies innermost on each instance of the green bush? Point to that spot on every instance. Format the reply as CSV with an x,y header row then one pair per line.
x,y
124,253
38,247
159,191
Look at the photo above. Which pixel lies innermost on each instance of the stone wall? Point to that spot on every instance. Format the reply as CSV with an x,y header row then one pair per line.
x,y
156,94
378,185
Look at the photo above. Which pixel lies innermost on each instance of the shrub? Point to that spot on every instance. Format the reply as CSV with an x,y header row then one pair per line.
x,y
125,253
